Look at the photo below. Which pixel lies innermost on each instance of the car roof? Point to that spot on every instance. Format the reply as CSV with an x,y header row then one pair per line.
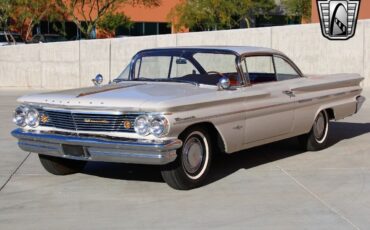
x,y
240,50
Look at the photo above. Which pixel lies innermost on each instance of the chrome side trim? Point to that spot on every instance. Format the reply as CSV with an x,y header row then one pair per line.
x,y
305,100
182,108
308,100
100,149
237,112
184,118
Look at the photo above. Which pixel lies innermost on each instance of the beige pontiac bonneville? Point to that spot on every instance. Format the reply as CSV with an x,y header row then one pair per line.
x,y
178,107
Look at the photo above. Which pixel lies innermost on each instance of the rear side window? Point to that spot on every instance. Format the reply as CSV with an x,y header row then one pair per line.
x,y
260,69
284,71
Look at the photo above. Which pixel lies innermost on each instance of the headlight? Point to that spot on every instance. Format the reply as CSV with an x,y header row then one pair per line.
x,y
159,126
19,117
24,115
32,118
141,125
156,125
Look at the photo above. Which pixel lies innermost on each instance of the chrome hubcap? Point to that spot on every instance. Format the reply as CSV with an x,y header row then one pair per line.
x,y
319,127
193,155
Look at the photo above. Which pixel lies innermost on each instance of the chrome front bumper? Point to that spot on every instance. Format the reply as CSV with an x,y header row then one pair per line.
x,y
98,149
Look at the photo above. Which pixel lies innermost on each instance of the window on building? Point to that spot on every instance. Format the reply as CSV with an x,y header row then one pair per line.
x,y
144,28
69,29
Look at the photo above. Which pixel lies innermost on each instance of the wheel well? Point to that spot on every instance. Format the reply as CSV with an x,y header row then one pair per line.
x,y
212,131
330,113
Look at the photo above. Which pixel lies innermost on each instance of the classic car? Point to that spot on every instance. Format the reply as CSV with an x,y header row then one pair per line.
x,y
179,107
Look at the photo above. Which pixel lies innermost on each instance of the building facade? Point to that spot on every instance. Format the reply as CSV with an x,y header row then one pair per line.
x,y
148,20
154,20
145,21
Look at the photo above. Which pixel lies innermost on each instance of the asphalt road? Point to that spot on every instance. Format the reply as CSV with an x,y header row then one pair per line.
x,y
276,186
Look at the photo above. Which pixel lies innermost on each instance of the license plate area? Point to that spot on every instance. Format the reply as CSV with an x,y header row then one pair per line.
x,y
73,150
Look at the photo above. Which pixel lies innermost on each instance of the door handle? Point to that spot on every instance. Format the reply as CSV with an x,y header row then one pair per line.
x,y
289,93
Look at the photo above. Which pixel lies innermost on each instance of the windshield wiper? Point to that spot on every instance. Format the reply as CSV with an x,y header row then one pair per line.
x,y
145,79
183,81
119,80
170,80
158,80
135,79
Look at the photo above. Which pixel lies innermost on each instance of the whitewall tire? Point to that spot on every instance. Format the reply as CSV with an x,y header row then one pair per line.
x,y
193,160
317,138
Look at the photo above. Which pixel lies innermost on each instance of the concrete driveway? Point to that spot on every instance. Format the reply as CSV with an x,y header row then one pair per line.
x,y
276,186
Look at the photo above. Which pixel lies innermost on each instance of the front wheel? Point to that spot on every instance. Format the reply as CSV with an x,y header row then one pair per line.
x,y
193,160
61,166
317,138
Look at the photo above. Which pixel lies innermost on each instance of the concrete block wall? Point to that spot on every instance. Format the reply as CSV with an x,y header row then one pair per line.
x,y
73,64
315,54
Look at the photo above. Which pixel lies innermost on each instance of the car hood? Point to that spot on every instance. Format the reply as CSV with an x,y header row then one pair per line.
x,y
133,96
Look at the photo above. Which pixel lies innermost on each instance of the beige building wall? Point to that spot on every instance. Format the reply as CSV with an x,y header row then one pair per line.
x,y
74,64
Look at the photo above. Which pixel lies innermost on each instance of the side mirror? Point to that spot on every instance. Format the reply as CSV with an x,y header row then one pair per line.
x,y
98,80
224,83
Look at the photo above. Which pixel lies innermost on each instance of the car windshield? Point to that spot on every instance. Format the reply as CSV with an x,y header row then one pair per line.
x,y
183,65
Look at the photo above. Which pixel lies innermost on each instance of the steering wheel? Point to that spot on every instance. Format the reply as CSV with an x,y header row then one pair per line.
x,y
232,79
215,72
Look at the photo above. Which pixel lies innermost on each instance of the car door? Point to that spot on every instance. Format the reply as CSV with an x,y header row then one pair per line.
x,y
270,116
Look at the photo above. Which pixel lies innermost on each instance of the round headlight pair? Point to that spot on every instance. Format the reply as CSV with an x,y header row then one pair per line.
x,y
156,125
24,115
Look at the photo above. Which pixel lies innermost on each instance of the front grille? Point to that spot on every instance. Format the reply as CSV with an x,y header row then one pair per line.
x,y
88,121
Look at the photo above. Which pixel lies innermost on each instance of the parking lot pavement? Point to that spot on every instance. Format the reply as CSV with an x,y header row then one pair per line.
x,y
276,186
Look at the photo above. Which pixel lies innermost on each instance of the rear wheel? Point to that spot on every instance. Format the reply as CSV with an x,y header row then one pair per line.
x,y
317,138
61,166
193,160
